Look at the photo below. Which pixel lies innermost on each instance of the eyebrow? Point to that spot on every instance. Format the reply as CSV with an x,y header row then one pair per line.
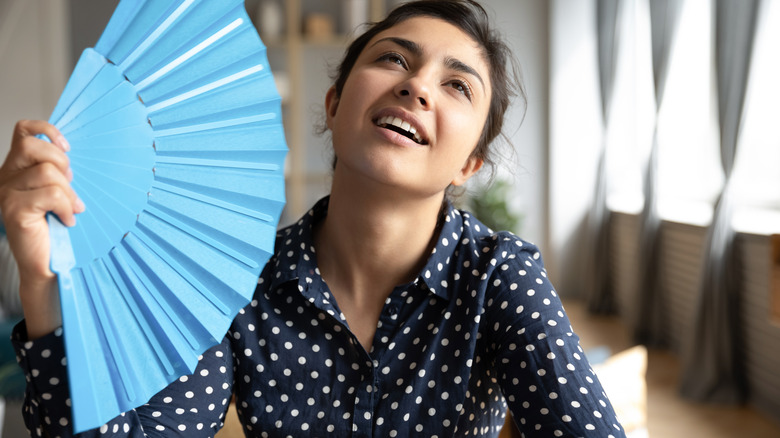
x,y
450,62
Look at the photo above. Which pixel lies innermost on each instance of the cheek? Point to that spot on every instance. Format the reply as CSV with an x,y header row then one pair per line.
x,y
464,128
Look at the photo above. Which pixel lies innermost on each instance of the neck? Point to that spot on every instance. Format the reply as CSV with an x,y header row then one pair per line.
x,y
369,243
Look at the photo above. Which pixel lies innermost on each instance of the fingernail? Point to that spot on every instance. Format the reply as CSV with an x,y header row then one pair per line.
x,y
63,143
80,207
69,174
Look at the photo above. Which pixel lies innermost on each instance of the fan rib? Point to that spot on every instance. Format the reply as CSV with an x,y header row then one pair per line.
x,y
217,163
201,236
211,200
140,238
86,194
143,234
118,260
108,332
215,125
190,53
108,226
83,243
156,34
205,88
62,257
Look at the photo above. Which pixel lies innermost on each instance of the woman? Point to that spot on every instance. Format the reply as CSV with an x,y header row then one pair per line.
x,y
384,311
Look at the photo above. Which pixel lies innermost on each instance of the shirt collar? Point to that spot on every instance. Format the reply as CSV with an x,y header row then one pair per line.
x,y
296,242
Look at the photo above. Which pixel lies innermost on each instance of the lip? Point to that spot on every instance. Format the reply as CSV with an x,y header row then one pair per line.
x,y
406,116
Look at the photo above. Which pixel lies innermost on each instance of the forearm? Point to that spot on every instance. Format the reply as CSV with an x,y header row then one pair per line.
x,y
41,305
47,406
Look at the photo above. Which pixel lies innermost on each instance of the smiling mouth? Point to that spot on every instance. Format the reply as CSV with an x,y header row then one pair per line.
x,y
402,127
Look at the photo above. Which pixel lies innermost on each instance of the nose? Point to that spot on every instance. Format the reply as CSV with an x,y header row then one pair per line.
x,y
416,90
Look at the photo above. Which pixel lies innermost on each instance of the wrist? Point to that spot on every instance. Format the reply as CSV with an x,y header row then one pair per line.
x,y
41,305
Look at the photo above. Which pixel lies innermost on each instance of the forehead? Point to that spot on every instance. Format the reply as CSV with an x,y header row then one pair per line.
x,y
438,39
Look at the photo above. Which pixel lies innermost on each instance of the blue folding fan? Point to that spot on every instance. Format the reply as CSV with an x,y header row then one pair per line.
x,y
177,150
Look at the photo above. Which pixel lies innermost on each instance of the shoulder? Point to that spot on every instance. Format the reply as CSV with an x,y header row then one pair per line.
x,y
496,247
511,268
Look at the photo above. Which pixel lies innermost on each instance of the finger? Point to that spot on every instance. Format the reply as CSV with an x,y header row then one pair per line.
x,y
24,208
25,128
29,151
45,175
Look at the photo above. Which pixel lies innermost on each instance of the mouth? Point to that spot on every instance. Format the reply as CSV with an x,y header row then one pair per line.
x,y
402,127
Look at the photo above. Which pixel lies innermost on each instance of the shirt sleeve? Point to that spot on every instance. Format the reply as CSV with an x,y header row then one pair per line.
x,y
192,406
546,379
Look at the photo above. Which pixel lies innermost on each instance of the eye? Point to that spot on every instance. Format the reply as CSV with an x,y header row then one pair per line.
x,y
461,87
393,58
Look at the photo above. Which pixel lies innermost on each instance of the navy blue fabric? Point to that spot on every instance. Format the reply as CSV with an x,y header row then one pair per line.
x,y
481,328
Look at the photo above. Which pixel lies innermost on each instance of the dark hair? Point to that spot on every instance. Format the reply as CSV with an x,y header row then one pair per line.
x,y
471,18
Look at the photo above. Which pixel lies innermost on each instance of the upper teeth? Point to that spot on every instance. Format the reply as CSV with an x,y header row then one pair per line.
x,y
397,122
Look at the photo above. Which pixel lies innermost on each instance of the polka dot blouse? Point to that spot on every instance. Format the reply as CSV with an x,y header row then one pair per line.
x,y
479,330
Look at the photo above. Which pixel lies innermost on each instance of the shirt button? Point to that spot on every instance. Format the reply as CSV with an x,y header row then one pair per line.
x,y
391,310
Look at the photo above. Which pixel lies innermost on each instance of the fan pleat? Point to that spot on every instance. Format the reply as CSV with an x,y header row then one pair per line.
x,y
107,92
202,64
114,187
155,274
123,15
203,237
104,324
142,28
244,234
184,39
257,118
147,335
88,66
118,118
213,200
86,339
115,155
236,186
207,267
168,342
87,246
234,90
181,295
202,59
198,140
131,351
192,54
99,220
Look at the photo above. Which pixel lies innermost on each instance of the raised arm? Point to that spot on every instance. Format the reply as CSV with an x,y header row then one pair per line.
x,y
192,406
35,179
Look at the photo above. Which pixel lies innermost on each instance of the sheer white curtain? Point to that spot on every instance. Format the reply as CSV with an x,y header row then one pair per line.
x,y
713,366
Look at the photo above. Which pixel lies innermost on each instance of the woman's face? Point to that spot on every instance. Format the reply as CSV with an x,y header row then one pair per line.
x,y
412,109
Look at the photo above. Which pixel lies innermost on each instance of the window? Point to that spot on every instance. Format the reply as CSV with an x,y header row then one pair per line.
x,y
689,170
756,177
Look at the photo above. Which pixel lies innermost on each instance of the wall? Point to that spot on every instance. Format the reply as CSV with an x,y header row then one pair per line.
x,y
575,135
34,54
525,24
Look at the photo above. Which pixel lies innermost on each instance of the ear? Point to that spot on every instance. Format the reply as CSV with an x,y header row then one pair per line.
x,y
331,105
473,164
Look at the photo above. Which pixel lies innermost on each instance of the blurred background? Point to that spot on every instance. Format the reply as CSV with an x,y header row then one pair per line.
x,y
646,167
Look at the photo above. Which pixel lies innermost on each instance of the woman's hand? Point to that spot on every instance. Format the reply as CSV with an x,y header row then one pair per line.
x,y
35,179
